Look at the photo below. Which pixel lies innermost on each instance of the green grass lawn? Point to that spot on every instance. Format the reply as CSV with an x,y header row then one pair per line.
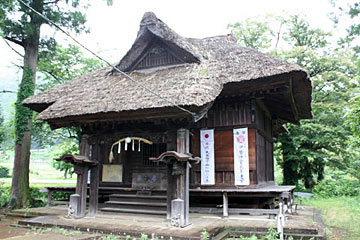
x,y
41,170
341,216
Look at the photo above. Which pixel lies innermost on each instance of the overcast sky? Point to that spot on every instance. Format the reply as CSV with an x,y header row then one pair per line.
x,y
114,28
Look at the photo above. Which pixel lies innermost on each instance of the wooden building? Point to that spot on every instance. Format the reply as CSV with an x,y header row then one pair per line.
x,y
225,88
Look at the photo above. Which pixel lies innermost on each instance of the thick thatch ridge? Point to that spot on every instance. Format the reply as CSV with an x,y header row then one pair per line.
x,y
150,28
222,62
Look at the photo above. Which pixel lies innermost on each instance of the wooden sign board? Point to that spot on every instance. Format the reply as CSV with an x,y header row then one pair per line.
x,y
112,173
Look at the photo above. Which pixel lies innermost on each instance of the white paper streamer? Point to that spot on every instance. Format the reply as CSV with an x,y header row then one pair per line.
x,y
119,147
139,145
133,145
241,156
207,157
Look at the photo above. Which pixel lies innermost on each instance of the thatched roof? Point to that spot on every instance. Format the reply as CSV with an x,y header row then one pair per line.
x,y
211,64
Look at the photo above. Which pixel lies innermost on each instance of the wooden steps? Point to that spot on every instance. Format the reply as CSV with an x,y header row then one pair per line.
x,y
136,202
136,211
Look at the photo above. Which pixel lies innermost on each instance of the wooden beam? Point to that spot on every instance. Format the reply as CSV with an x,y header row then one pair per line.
x,y
263,107
292,101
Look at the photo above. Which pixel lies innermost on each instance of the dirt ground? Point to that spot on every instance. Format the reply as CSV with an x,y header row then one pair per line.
x,y
8,230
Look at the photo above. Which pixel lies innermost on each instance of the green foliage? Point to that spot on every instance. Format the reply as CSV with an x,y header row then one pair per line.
x,y
4,172
271,234
37,198
251,33
67,147
205,235
354,12
2,127
60,64
4,195
341,216
22,113
20,24
337,187
300,34
325,140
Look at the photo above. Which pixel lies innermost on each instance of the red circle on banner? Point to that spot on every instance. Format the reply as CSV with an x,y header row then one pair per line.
x,y
240,139
206,135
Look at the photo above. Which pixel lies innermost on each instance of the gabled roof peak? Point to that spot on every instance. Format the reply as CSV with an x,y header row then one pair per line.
x,y
148,19
153,30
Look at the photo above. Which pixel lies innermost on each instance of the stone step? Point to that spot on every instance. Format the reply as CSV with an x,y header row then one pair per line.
x,y
137,198
136,203
135,211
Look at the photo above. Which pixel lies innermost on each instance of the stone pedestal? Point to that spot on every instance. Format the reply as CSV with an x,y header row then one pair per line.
x,y
74,210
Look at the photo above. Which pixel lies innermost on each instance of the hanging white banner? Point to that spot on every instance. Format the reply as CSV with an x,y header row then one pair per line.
x,y
241,156
207,157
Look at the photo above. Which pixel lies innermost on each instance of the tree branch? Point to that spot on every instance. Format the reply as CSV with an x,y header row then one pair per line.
x,y
12,47
16,65
7,91
53,75
15,41
52,2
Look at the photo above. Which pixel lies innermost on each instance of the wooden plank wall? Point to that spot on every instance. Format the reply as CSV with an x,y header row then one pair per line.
x,y
264,146
224,158
226,114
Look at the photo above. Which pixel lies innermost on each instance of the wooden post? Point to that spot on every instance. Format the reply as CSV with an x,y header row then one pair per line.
x,y
187,192
49,198
84,191
182,183
170,191
171,146
94,181
81,186
94,190
225,204
183,145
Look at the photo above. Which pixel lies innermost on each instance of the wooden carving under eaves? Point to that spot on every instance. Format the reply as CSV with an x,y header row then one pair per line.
x,y
76,160
181,157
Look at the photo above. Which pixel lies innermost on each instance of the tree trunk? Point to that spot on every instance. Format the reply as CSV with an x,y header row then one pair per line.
x,y
23,120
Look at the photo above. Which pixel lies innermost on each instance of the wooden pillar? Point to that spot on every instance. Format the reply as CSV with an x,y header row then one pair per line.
x,y
170,190
49,198
81,187
187,192
94,190
94,181
225,204
183,141
180,206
